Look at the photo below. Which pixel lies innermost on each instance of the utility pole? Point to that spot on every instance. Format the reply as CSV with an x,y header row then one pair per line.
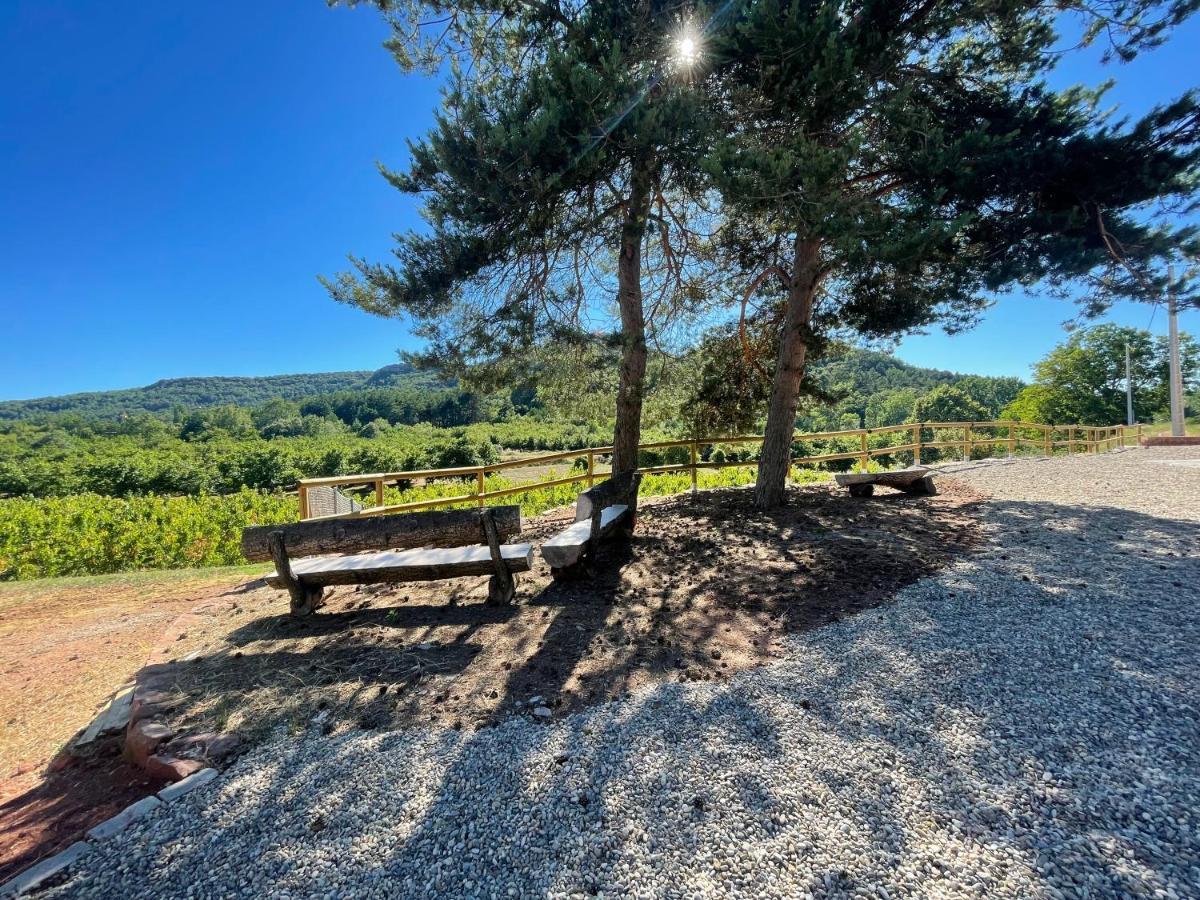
x,y
1176,375
1128,388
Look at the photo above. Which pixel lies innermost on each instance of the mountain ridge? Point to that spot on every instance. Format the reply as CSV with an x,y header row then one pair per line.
x,y
866,371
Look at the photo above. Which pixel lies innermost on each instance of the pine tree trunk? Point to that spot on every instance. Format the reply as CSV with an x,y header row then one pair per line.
x,y
769,489
628,431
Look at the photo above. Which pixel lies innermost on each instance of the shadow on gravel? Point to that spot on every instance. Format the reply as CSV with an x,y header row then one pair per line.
x,y
1029,722
1022,715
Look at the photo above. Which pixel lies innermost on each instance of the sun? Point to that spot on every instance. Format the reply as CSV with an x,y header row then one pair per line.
x,y
686,50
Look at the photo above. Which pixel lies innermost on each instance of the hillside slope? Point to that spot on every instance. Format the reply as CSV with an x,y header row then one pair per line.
x,y
196,393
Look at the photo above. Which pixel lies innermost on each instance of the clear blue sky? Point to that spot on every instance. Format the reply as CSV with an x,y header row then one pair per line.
x,y
174,175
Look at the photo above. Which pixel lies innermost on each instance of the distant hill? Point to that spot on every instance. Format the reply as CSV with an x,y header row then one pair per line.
x,y
871,371
854,374
193,393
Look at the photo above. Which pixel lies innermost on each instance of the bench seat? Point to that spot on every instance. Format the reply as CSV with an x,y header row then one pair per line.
x,y
405,565
912,480
566,548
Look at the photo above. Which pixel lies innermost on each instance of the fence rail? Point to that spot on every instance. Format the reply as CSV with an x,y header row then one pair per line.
x,y
1078,438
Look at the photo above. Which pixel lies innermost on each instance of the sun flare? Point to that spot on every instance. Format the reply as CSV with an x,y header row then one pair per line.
x,y
686,51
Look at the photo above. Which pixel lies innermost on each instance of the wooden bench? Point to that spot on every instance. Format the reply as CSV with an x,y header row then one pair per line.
x,y
426,546
913,480
608,507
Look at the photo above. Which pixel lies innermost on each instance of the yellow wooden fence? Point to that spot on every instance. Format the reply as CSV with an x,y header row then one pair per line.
x,y
1011,435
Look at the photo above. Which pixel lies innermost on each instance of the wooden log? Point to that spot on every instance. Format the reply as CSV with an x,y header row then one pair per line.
x,y
629,522
924,485
443,528
620,489
612,490
407,565
903,479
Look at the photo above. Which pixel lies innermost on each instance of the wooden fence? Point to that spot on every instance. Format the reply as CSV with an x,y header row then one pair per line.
x,y
1047,439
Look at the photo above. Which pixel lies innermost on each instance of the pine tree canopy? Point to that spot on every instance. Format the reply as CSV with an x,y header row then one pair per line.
x,y
919,144
528,182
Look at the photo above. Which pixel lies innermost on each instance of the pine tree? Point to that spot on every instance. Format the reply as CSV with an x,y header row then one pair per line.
x,y
562,179
893,164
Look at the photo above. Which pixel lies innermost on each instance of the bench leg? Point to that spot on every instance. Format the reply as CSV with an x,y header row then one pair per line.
x,y
862,490
502,592
305,600
921,486
577,571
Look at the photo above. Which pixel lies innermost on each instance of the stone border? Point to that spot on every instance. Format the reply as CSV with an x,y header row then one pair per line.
x,y
151,744
42,873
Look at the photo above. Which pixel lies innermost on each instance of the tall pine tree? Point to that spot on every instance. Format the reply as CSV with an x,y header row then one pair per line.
x,y
889,165
562,181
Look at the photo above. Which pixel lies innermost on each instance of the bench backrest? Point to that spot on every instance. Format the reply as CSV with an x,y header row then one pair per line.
x,y
621,488
440,528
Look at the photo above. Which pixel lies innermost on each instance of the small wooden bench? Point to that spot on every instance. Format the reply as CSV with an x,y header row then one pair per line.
x,y
426,546
913,480
608,507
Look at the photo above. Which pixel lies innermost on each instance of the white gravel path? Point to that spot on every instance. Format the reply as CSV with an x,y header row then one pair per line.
x,y
1024,725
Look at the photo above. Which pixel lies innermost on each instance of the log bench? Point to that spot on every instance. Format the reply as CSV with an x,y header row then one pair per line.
x,y
600,511
913,480
426,546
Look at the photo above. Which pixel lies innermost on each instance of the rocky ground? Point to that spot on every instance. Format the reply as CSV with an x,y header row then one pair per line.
x,y
1023,724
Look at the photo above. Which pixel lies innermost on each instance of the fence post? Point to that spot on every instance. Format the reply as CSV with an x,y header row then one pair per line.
x,y
1070,440
379,492
1047,443
916,444
863,459
303,491
1012,438
1139,434
591,468
695,453
479,480
967,442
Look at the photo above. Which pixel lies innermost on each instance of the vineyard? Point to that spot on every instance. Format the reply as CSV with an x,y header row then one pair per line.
x,y
89,534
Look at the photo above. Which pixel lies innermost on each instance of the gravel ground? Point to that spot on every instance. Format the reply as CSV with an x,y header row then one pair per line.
x,y
1023,725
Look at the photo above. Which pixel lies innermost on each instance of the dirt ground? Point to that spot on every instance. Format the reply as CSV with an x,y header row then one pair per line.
x,y
706,587
65,645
